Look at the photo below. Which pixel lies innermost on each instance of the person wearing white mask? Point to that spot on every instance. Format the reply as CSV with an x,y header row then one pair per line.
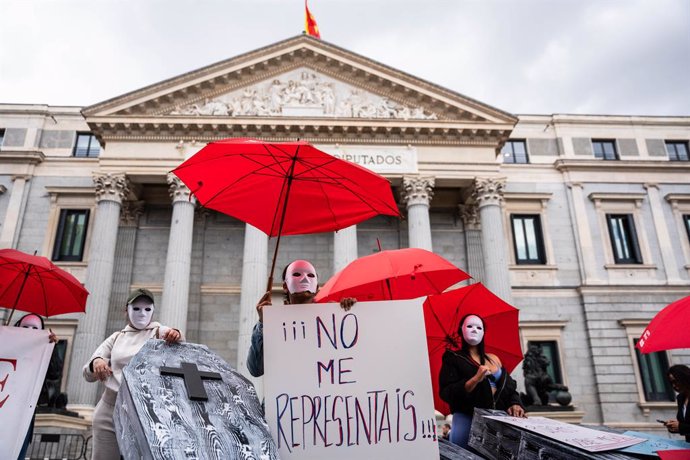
x,y
470,378
300,285
112,356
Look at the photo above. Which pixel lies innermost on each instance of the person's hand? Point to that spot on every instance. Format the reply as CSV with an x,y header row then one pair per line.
x,y
101,369
482,372
347,302
516,411
52,338
263,301
172,336
672,426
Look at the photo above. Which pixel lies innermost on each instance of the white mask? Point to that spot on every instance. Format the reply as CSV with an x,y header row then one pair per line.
x,y
140,312
473,330
31,322
300,276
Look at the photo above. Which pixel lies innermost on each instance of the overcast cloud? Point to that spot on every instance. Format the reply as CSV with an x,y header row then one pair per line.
x,y
522,56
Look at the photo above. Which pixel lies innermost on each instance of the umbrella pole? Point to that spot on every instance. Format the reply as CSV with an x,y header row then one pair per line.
x,y
19,294
269,285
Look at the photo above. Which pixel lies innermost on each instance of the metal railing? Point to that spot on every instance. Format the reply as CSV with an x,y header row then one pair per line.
x,y
59,447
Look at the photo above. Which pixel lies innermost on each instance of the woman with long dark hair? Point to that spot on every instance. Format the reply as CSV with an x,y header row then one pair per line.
x,y
679,376
471,378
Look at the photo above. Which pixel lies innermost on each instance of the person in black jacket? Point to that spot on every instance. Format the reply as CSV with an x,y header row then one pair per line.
x,y
471,378
679,376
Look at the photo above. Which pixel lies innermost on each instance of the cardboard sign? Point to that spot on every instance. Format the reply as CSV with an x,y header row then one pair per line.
x,y
344,385
573,435
24,358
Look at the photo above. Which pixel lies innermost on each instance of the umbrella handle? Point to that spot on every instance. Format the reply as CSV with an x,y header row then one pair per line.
x,y
269,285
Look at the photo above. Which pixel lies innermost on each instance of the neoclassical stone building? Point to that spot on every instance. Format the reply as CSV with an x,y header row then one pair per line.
x,y
583,222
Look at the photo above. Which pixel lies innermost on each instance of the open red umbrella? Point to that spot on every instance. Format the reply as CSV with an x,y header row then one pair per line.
x,y
285,188
668,329
442,316
392,275
34,284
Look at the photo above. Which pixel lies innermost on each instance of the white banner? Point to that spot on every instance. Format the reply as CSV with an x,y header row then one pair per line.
x,y
24,358
344,385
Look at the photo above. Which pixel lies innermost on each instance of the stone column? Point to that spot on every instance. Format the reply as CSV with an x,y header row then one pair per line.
x,y
417,193
488,194
585,245
111,189
473,240
254,278
13,213
178,260
344,247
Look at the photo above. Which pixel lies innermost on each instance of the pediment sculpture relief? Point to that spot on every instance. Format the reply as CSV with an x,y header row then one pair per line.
x,y
304,93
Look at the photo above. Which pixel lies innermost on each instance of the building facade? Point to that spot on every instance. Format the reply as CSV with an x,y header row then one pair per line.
x,y
582,222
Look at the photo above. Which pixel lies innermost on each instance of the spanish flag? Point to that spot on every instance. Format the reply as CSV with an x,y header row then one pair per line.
x,y
310,26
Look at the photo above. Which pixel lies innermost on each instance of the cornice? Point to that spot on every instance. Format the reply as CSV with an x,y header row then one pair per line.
x,y
621,166
29,157
365,131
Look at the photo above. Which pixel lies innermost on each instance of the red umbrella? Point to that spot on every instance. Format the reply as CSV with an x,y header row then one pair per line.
x,y
668,329
285,188
392,275
33,284
442,316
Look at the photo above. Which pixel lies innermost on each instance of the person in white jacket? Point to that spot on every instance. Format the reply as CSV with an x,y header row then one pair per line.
x,y
111,357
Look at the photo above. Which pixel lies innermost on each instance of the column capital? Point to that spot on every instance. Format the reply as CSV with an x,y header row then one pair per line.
x,y
111,187
178,190
488,191
417,190
470,216
130,213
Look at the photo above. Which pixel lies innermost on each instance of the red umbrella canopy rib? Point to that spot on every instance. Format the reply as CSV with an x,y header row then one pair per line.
x,y
392,275
668,329
34,284
249,179
442,316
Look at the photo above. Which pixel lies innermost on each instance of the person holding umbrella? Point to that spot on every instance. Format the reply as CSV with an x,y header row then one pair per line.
x,y
112,356
471,378
300,285
679,376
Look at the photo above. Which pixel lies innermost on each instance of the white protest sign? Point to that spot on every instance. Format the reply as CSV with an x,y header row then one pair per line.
x,y
344,385
574,435
24,358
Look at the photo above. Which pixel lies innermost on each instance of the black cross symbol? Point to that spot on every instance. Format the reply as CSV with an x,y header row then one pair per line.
x,y
192,379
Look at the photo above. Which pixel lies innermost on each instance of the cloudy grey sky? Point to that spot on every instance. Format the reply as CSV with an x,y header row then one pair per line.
x,y
523,56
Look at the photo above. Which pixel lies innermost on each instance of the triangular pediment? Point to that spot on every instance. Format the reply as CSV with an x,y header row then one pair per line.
x,y
299,77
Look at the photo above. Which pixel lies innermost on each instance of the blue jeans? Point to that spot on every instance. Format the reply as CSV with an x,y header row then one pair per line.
x,y
460,429
27,441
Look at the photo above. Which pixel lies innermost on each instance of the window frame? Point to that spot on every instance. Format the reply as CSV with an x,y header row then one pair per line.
x,y
546,331
629,235
539,237
69,198
622,203
675,144
680,206
633,330
60,234
616,155
92,138
512,155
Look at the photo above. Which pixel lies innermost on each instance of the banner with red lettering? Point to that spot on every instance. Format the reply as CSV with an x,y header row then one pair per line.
x,y
344,385
24,358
